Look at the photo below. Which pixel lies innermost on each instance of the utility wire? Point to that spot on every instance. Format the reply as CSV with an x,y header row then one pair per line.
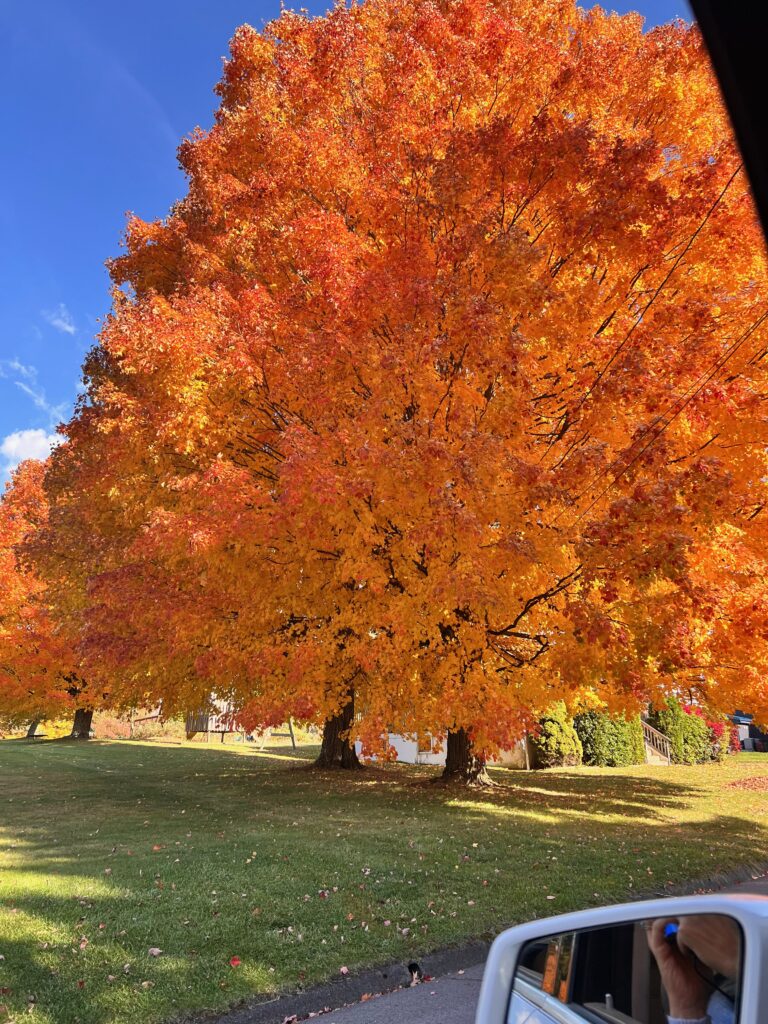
x,y
590,390
705,378
601,375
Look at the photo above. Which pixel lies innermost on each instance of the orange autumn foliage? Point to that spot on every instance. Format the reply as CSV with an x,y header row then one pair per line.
x,y
36,663
443,384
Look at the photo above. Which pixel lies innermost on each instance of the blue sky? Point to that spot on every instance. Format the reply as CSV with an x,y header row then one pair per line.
x,y
96,98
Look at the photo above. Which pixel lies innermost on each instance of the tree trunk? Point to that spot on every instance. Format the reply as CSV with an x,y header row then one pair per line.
x,y
462,764
337,749
81,727
349,758
33,728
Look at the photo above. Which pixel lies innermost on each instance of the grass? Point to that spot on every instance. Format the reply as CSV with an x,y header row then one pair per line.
x,y
109,849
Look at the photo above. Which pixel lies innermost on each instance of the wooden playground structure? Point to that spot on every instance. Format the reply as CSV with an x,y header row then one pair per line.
x,y
222,722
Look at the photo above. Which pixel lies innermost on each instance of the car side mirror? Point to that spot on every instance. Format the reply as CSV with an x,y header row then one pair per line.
x,y
696,959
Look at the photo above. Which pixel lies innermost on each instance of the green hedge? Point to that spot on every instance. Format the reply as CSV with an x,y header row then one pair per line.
x,y
687,732
610,742
557,744
607,741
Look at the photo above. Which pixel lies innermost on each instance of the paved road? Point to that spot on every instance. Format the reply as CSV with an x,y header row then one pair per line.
x,y
450,999
447,1000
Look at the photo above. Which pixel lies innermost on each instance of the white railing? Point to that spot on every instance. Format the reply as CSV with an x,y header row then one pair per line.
x,y
657,741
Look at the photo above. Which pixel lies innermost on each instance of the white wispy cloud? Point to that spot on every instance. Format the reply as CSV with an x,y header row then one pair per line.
x,y
25,379
60,318
17,368
37,395
26,444
55,413
30,442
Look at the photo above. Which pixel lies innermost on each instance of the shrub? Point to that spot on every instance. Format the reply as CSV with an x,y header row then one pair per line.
x,y
160,729
689,735
734,743
697,745
110,727
557,744
719,738
610,742
670,720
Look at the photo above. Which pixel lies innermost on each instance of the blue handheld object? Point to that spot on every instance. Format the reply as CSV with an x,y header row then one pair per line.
x,y
670,932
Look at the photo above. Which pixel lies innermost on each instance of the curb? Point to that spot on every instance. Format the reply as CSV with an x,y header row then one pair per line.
x,y
344,991
740,875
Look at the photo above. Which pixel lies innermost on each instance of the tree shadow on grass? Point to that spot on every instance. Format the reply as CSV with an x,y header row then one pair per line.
x,y
568,790
124,777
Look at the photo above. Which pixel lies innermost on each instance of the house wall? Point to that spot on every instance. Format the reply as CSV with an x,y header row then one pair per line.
x,y
408,752
517,757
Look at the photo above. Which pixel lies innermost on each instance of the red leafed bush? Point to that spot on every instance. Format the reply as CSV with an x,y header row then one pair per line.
x,y
734,744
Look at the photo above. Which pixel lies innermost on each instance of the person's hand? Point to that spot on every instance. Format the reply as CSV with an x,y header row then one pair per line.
x,y
714,939
687,992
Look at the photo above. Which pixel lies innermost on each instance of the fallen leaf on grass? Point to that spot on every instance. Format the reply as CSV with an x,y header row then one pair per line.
x,y
154,951
147,984
343,970
755,784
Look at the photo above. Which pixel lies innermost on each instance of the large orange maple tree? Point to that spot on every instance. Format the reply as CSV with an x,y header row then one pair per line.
x,y
441,394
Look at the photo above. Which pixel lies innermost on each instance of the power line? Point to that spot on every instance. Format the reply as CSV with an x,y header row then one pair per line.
x,y
646,430
705,378
639,319
590,390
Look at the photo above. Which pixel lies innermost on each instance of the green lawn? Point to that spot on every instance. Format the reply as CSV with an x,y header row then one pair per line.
x,y
109,849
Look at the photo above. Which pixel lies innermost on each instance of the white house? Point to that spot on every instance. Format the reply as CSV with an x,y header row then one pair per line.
x,y
410,752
